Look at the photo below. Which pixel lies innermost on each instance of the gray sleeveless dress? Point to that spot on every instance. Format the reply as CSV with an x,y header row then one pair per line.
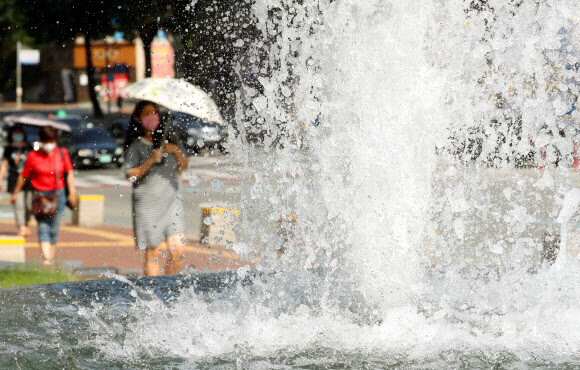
x,y
157,205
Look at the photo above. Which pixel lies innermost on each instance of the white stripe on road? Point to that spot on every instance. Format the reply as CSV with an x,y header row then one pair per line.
x,y
6,214
211,174
109,180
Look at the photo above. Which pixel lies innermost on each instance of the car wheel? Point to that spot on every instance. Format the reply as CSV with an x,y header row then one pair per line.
x,y
221,147
76,163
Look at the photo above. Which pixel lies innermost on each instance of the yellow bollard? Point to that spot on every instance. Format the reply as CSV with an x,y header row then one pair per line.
x,y
90,210
218,225
12,249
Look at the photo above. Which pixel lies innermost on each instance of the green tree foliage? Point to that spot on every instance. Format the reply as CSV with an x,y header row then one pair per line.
x,y
12,20
64,20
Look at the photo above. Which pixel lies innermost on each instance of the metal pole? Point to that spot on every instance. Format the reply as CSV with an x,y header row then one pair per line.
x,y
18,77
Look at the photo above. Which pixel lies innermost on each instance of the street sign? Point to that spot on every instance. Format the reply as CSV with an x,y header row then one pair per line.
x,y
29,57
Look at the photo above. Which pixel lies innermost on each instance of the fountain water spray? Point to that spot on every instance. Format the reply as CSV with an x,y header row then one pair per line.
x,y
394,208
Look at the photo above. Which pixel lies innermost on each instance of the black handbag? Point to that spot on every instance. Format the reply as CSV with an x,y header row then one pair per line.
x,y
44,206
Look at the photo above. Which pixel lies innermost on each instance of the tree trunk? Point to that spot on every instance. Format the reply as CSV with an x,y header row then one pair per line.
x,y
147,49
98,113
147,34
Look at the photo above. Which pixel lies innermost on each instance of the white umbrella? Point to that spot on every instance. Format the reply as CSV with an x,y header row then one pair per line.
x,y
177,95
35,121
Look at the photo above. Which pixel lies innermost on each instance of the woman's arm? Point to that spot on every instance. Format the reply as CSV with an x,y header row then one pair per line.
x,y
179,154
72,194
3,168
17,188
136,173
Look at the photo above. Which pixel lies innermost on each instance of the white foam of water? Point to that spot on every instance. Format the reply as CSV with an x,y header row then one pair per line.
x,y
503,321
380,111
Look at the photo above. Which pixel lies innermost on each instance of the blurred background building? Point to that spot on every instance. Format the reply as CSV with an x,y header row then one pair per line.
x,y
117,62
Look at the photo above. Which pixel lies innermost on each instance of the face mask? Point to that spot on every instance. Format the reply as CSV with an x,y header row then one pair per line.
x,y
150,122
18,138
48,147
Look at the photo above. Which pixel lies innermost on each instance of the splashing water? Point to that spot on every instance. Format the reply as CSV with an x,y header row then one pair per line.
x,y
396,217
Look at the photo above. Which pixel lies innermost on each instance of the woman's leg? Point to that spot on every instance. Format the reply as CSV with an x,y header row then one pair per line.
x,y
152,262
57,218
27,210
176,249
51,228
20,213
46,248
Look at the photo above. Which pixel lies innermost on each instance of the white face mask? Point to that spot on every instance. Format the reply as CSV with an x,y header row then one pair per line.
x,y
48,147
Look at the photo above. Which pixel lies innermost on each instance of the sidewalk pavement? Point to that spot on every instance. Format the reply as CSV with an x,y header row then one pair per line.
x,y
90,251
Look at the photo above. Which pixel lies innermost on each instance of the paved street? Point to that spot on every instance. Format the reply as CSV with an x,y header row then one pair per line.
x,y
91,251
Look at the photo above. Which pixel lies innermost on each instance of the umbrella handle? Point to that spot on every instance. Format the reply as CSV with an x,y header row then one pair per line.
x,y
164,136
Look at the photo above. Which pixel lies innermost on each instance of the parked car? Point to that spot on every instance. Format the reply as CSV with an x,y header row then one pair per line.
x,y
196,133
557,146
93,147
118,129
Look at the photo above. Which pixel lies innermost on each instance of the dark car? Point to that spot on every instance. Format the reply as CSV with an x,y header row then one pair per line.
x,y
118,129
93,147
196,134
556,146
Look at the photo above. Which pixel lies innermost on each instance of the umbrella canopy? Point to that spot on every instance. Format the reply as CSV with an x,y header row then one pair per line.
x,y
177,95
35,121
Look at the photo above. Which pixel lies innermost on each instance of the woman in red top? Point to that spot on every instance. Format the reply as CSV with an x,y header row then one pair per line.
x,y
42,167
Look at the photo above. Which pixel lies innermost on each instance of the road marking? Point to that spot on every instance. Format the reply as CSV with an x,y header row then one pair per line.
x,y
100,233
92,197
106,179
80,230
6,215
213,174
11,240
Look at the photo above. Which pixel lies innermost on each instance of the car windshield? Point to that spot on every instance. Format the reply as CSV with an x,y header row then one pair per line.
x,y
93,136
31,133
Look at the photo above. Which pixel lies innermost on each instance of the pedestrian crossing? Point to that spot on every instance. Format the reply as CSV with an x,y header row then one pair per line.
x,y
201,170
6,213
84,181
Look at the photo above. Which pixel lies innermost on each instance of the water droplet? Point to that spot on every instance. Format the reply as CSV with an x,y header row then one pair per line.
x,y
133,178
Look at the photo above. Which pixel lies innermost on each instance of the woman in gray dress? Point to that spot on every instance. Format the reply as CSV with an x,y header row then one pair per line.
x,y
153,164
